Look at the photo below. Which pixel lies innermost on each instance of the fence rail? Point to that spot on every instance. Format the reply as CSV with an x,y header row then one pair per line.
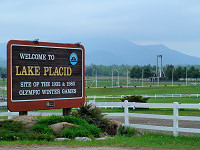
x,y
175,117
4,98
145,95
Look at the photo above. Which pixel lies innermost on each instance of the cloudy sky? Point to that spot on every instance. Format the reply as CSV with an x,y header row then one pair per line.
x,y
174,23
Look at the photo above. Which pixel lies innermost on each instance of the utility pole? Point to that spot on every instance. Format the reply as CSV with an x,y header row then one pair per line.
x,y
127,77
172,76
186,76
142,76
112,78
118,76
96,78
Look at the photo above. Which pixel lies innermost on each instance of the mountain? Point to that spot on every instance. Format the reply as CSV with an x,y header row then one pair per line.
x,y
115,51
107,51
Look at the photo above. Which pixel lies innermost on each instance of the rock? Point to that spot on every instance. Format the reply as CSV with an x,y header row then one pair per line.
x,y
83,139
27,121
61,139
137,134
101,139
60,126
113,127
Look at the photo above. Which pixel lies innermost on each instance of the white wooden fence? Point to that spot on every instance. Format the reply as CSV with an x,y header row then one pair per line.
x,y
4,98
145,95
11,114
175,117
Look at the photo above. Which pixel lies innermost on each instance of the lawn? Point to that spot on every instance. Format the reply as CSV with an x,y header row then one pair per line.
x,y
153,140
143,90
150,90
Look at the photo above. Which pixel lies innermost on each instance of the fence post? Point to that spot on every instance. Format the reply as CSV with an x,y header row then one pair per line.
x,y
199,106
133,105
175,119
9,115
126,118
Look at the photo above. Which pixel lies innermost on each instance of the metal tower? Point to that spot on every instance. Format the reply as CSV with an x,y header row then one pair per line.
x,y
159,67
159,74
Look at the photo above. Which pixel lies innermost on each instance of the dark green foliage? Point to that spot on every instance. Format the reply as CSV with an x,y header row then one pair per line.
x,y
135,98
127,131
11,125
92,116
74,120
11,131
94,130
80,131
50,120
42,128
81,128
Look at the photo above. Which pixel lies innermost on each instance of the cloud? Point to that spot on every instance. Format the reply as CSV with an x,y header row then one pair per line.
x,y
137,20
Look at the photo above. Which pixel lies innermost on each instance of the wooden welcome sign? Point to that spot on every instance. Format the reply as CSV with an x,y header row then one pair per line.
x,y
42,75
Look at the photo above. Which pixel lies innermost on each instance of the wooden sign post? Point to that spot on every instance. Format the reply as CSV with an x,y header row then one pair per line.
x,y
42,75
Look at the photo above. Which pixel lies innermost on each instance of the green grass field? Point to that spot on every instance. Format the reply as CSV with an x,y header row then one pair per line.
x,y
144,90
150,90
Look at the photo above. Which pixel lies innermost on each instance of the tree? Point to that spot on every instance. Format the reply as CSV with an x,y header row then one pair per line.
x,y
135,72
147,71
168,71
193,72
178,73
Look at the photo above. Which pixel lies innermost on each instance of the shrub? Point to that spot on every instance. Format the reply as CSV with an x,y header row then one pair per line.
x,y
126,131
80,131
92,116
42,128
83,128
11,131
50,120
74,120
135,98
94,130
11,125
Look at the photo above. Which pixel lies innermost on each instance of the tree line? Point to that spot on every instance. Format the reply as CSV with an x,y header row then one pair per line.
x,y
146,71
136,71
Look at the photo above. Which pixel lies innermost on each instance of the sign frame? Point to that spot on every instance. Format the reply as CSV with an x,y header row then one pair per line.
x,y
41,104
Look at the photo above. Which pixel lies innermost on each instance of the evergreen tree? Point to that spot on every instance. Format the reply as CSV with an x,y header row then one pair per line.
x,y
168,72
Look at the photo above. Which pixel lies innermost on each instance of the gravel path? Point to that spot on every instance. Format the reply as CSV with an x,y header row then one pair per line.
x,y
38,147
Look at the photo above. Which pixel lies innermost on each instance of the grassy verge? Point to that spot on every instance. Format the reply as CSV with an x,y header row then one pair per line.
x,y
153,140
